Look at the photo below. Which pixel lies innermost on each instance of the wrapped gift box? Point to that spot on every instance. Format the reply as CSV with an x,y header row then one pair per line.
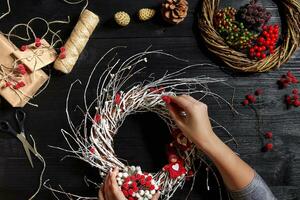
x,y
33,80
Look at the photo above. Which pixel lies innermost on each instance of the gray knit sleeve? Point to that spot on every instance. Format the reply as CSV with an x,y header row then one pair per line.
x,y
256,190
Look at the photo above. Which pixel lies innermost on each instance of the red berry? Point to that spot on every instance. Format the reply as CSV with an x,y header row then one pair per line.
x,y
37,40
297,103
148,184
38,44
258,54
62,49
263,55
264,27
135,189
142,181
22,69
259,91
245,102
295,80
166,99
265,33
97,118
288,100
296,96
92,150
251,50
295,91
149,178
130,192
23,47
8,84
125,193
152,187
269,146
261,39
290,74
269,135
62,55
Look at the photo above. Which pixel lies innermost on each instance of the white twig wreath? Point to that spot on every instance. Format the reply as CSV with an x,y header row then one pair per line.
x,y
113,103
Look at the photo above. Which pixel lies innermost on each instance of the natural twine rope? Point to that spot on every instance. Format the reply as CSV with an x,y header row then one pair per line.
x,y
238,60
75,44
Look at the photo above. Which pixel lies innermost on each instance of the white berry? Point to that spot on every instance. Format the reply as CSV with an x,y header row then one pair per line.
x,y
152,192
142,192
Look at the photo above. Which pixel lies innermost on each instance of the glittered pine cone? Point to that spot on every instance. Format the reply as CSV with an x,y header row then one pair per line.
x,y
174,11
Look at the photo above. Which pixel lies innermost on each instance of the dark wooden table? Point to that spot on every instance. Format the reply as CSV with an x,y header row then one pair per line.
x,y
280,168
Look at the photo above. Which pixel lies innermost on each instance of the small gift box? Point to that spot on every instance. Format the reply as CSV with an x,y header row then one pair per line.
x,y
34,57
20,72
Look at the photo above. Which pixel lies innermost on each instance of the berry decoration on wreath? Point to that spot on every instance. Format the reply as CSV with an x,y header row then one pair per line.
x,y
113,104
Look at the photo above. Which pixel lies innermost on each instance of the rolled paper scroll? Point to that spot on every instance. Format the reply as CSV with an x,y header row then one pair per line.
x,y
75,44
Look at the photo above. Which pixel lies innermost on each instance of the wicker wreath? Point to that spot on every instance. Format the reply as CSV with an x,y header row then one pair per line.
x,y
114,103
239,60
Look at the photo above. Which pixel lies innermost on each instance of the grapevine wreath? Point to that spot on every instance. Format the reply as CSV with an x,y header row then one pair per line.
x,y
260,58
92,142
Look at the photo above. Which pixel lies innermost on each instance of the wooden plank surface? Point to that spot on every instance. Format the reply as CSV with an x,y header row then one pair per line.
x,y
280,168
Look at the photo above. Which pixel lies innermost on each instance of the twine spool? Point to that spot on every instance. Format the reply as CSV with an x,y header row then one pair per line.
x,y
75,44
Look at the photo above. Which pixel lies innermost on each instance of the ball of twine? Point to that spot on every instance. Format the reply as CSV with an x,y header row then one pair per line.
x,y
78,39
240,61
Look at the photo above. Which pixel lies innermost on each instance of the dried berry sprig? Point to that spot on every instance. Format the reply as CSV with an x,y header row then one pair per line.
x,y
250,101
253,15
287,79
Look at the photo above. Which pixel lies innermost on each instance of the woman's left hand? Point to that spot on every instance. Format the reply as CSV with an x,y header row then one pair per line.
x,y
110,189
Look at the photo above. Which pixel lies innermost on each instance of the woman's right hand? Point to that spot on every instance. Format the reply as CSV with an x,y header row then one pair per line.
x,y
191,117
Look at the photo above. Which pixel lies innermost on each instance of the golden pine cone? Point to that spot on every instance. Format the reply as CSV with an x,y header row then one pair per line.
x,y
174,11
146,14
122,18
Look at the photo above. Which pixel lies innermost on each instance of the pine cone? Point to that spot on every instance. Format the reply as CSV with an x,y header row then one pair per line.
x,y
174,11
146,14
122,18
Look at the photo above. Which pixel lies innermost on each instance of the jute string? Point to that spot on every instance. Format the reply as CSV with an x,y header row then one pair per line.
x,y
75,44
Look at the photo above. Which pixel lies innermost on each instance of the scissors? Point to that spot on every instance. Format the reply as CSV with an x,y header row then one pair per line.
x,y
6,127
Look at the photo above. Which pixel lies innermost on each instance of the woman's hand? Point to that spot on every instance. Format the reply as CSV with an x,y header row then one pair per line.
x,y
192,119
110,189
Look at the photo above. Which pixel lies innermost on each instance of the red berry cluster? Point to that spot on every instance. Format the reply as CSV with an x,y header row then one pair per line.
x,y
269,145
23,48
265,43
133,183
38,42
62,53
21,69
19,84
287,79
293,100
166,99
250,98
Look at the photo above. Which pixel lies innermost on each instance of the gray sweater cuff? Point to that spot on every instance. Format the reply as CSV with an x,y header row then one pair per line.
x,y
256,190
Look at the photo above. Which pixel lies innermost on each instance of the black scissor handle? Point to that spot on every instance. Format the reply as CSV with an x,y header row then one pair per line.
x,y
20,117
6,127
